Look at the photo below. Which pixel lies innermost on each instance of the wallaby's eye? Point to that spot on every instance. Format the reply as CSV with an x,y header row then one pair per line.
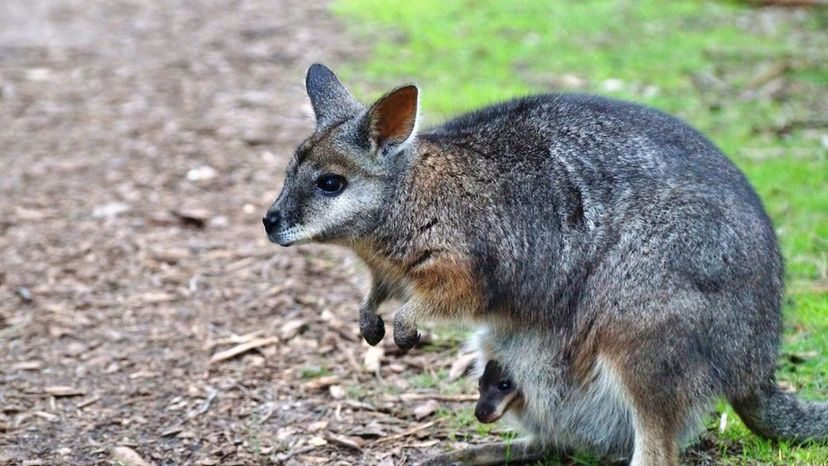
x,y
504,385
331,184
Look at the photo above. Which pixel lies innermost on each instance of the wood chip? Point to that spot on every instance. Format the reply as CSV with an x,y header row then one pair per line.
x,y
63,390
408,432
242,348
317,441
292,328
27,366
321,382
354,443
127,457
48,416
171,431
87,402
154,297
236,339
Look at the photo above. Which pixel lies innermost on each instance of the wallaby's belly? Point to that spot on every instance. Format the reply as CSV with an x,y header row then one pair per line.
x,y
560,412
593,418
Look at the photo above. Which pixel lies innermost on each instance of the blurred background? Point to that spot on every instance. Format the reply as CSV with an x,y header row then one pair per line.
x,y
145,319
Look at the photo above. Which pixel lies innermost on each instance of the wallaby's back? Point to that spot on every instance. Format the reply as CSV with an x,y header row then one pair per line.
x,y
642,209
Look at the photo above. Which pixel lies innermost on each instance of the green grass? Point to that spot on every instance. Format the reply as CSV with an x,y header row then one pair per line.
x,y
312,372
701,61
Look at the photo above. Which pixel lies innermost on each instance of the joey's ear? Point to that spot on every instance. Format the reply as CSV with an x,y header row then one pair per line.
x,y
392,120
330,100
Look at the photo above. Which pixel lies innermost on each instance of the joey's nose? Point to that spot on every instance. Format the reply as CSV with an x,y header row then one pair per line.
x,y
483,414
271,221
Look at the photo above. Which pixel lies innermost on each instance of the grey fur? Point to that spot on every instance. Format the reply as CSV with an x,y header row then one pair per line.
x,y
582,231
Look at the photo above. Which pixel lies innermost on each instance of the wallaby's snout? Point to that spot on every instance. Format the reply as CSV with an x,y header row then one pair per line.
x,y
271,221
486,413
281,221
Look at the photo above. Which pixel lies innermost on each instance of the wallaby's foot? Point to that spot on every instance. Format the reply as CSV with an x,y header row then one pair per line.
x,y
371,327
491,454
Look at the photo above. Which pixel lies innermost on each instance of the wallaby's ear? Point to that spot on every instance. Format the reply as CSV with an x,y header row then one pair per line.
x,y
330,100
393,120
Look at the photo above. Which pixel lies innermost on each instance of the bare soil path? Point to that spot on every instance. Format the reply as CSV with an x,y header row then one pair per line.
x,y
140,142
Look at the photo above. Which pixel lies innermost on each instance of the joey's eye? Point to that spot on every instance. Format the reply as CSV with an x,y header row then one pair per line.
x,y
331,184
504,385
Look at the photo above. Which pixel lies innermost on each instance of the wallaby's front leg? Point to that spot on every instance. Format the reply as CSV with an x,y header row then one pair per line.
x,y
489,454
371,325
405,326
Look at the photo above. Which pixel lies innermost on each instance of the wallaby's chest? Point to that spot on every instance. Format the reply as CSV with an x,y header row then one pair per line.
x,y
444,283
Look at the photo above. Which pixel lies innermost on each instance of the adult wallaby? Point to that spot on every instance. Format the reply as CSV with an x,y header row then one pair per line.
x,y
625,269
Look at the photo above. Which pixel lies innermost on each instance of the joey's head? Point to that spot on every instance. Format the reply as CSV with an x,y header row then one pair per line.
x,y
498,394
342,177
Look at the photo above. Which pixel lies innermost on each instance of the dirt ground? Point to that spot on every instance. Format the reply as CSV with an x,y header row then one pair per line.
x,y
141,142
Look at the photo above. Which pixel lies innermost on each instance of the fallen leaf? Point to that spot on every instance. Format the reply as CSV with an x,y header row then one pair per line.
x,y
127,456
786,386
355,443
317,441
387,461
194,217
202,173
801,356
110,210
337,392
317,426
461,365
25,294
372,358
426,409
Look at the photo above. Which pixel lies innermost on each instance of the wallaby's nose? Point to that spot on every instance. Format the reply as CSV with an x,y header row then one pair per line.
x,y
271,221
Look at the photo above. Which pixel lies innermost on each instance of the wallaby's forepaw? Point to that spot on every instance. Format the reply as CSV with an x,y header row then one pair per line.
x,y
406,335
406,340
371,327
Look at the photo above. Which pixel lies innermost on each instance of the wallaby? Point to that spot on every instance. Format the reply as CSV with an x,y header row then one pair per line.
x,y
625,270
498,394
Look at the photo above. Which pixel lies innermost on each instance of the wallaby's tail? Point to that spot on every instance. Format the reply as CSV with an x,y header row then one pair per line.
x,y
777,415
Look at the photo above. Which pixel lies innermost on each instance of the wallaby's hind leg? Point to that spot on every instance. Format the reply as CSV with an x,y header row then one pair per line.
x,y
654,445
490,454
